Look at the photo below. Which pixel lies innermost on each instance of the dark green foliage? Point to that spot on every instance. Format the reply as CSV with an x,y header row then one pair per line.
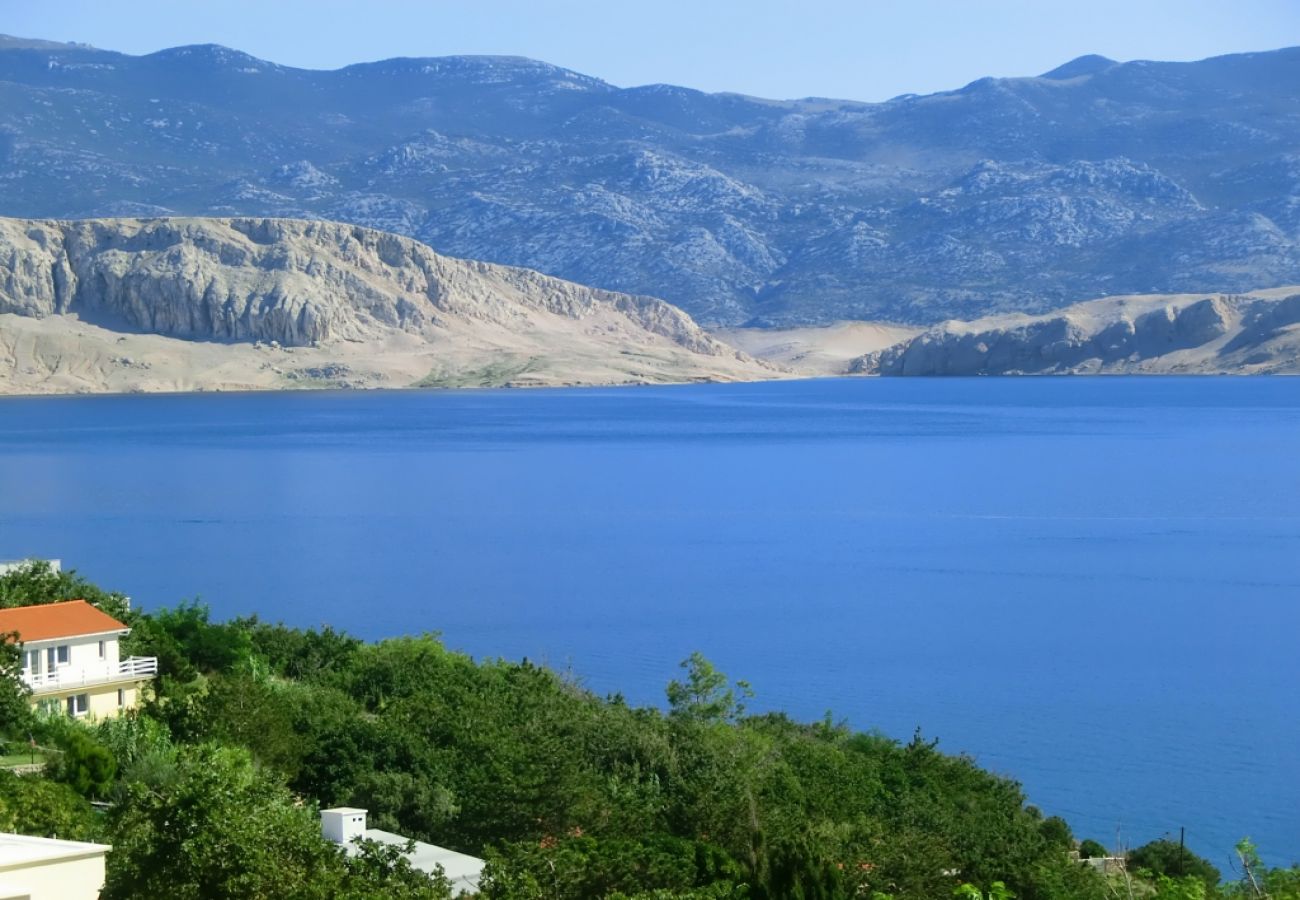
x,y
1056,831
1166,857
15,708
187,642
38,806
217,826
577,867
82,763
294,653
472,755
1090,849
218,829
568,794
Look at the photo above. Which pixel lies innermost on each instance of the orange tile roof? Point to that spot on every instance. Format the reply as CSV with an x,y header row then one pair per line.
x,y
70,618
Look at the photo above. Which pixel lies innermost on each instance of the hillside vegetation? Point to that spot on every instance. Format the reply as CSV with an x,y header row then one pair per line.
x,y
213,787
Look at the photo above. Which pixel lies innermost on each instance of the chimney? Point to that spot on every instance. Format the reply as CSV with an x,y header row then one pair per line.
x,y
343,824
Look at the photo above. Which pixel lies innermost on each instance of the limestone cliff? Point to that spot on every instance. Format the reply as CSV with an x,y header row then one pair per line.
x,y
1257,333
327,288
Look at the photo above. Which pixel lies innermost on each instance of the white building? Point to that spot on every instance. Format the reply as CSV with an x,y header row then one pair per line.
x,y
71,658
345,825
33,868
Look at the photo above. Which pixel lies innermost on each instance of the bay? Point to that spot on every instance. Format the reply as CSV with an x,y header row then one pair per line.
x,y
1088,584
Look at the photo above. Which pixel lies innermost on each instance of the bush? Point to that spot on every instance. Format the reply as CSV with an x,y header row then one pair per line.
x,y
83,764
1056,831
1166,857
37,806
1091,849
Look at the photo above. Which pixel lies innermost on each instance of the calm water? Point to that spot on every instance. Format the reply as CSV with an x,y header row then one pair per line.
x,y
1089,584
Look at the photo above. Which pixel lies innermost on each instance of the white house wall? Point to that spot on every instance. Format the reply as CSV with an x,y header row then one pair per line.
x,y
83,652
73,879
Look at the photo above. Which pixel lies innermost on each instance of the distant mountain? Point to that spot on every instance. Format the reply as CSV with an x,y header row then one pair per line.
x,y
1090,64
1013,194
200,304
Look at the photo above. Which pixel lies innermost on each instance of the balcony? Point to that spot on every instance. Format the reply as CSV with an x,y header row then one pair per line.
x,y
135,668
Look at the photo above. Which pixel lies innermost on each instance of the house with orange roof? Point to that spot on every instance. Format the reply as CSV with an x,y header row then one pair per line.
x,y
72,659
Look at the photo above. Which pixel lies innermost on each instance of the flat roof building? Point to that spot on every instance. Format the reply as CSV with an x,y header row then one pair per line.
x,y
345,825
35,868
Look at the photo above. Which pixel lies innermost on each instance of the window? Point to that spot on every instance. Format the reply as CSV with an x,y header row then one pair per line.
x,y
32,663
121,698
63,654
78,704
101,649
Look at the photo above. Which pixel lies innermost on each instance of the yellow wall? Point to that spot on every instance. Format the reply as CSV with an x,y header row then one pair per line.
x,y
102,699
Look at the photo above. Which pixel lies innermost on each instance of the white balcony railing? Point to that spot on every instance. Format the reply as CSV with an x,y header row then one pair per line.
x,y
132,669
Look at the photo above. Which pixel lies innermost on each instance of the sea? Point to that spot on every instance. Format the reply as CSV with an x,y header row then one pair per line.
x,y
1088,584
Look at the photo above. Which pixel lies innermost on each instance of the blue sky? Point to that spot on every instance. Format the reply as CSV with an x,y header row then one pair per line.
x,y
859,49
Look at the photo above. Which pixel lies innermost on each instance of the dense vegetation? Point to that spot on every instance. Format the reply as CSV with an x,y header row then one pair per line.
x,y
212,788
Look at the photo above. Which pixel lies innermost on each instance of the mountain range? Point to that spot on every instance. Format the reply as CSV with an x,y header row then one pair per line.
x,y
1008,195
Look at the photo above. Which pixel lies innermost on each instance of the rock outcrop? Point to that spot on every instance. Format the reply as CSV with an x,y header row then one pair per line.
x,y
1184,334
331,287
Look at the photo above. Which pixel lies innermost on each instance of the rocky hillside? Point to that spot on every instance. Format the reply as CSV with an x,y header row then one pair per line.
x,y
1012,194
207,303
1191,334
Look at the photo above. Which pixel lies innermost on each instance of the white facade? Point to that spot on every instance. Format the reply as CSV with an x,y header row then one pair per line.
x,y
343,824
85,675
33,868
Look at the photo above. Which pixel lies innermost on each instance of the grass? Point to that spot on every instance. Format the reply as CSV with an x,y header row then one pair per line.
x,y
23,758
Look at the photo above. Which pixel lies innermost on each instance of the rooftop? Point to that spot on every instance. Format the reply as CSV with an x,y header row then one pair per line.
x,y
71,618
461,869
19,850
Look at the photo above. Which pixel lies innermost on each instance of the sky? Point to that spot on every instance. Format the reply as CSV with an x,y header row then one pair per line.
x,y
855,49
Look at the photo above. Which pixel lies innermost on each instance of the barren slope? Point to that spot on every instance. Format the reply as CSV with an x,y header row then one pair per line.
x,y
1256,333
210,304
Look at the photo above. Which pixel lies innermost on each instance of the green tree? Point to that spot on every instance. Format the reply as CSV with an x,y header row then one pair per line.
x,y
1056,831
187,642
219,828
578,867
15,696
1090,849
37,806
1188,887
143,749
1259,881
705,695
301,654
82,763
1167,857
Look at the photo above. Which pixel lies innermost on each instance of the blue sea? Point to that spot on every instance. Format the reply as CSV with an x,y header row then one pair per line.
x,y
1089,584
